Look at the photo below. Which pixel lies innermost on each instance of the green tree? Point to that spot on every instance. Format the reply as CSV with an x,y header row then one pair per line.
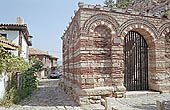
x,y
37,64
4,59
12,65
109,3
122,3
166,14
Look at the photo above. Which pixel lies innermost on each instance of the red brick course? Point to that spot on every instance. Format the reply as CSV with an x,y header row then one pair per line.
x,y
93,50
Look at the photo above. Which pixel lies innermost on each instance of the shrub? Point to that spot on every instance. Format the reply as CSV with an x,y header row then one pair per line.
x,y
12,65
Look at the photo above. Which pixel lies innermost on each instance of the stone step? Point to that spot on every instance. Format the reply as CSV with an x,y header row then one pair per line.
x,y
133,94
93,107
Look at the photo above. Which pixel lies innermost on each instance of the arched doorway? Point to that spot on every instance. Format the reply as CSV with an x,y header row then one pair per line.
x,y
136,62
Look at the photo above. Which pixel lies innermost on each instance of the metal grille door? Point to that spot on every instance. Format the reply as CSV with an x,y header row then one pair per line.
x,y
136,62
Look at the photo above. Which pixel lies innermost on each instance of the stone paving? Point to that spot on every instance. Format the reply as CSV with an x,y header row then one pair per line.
x,y
48,96
139,102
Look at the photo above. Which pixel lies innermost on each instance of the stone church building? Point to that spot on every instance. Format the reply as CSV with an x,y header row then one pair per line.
x,y
107,52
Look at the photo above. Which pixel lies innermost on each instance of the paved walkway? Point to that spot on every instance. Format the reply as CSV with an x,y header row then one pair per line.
x,y
48,96
139,102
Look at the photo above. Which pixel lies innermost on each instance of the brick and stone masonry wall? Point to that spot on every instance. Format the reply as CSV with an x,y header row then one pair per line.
x,y
93,56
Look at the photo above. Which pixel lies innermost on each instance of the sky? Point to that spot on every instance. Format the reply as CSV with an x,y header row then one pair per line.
x,y
46,20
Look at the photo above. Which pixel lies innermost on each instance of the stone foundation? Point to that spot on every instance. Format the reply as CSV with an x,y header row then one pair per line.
x,y
90,96
160,87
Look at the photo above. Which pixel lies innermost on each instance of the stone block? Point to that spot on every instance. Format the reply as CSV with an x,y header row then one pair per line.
x,y
83,81
90,76
120,95
108,103
92,101
90,81
103,102
159,105
83,76
160,87
120,89
83,101
97,91
95,97
98,101
101,80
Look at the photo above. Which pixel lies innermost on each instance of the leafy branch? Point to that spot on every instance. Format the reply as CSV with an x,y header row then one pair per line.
x,y
109,3
12,65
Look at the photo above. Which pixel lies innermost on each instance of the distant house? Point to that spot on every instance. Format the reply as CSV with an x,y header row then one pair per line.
x,y
49,61
17,34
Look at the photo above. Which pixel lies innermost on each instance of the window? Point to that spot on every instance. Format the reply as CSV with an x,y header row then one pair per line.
x,y
4,35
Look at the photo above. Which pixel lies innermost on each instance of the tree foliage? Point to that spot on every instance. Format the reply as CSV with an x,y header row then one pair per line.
x,y
109,3
166,14
37,65
3,59
122,3
119,4
13,65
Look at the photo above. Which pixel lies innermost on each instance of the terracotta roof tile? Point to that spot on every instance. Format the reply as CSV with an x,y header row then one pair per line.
x,y
13,25
8,45
33,51
22,27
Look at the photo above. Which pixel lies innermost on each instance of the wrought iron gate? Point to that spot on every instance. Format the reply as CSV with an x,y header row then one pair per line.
x,y
136,62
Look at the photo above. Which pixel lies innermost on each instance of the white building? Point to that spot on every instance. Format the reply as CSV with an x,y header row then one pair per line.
x,y
19,35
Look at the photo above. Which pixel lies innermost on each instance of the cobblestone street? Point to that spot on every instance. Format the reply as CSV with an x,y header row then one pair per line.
x,y
48,96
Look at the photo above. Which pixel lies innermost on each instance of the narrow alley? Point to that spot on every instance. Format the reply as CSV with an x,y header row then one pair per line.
x,y
48,96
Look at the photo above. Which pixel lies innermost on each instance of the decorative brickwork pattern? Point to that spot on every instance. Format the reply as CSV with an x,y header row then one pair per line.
x,y
93,52
138,24
100,19
167,56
